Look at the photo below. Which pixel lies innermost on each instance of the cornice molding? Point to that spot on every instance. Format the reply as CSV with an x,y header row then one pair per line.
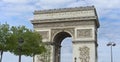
x,y
64,10
64,19
93,18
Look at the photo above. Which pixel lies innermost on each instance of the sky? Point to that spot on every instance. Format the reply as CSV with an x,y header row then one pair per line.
x,y
20,12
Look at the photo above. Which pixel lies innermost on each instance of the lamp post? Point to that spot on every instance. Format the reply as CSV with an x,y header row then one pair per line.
x,y
111,44
75,59
20,41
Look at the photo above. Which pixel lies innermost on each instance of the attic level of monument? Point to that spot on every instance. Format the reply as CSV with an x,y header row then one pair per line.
x,y
66,15
64,10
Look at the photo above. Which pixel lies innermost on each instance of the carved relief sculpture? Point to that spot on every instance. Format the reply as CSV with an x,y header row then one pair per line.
x,y
45,34
84,54
45,57
84,33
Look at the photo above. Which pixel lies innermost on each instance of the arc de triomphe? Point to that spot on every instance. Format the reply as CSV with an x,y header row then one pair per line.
x,y
79,23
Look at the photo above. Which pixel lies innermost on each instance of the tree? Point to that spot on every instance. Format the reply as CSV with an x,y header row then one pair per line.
x,y
32,44
4,34
9,38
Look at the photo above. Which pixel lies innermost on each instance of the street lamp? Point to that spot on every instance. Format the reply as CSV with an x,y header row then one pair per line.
x,y
111,44
20,41
75,59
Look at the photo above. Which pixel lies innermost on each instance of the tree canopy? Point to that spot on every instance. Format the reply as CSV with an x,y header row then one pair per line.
x,y
10,37
32,41
4,34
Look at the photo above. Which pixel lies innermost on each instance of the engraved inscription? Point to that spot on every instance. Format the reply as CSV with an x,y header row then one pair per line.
x,y
64,15
84,54
84,33
45,34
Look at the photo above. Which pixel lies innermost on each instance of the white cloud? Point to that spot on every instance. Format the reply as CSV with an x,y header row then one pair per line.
x,y
106,4
79,3
18,8
103,8
54,1
48,4
16,1
17,11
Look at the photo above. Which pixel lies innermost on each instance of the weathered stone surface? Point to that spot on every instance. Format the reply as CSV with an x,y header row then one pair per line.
x,y
63,24
84,33
64,15
64,10
45,34
80,23
71,31
84,54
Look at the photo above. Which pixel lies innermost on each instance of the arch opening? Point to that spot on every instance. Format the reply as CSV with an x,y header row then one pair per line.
x,y
58,39
66,50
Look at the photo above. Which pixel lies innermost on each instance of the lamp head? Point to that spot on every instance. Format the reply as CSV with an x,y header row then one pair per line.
x,y
20,40
109,44
114,44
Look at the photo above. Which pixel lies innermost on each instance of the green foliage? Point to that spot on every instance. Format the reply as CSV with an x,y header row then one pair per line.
x,y
9,41
32,41
45,56
10,37
4,34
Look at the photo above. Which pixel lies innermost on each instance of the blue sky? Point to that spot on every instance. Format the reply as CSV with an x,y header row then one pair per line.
x,y
20,12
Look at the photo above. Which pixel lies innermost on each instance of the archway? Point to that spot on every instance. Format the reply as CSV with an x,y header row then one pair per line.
x,y
80,23
66,50
57,44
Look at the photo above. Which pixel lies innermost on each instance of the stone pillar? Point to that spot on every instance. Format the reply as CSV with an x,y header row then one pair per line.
x,y
57,54
47,56
84,51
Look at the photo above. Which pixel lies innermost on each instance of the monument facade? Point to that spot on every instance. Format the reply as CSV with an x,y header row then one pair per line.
x,y
79,23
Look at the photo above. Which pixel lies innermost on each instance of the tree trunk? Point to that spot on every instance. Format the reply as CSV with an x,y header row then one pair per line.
x,y
33,58
1,55
20,58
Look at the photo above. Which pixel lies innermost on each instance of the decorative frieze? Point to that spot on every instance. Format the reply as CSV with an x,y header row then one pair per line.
x,y
63,24
64,15
84,33
45,35
84,54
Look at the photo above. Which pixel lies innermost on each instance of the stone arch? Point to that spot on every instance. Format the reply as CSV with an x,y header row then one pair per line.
x,y
70,31
59,37
65,33
80,23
